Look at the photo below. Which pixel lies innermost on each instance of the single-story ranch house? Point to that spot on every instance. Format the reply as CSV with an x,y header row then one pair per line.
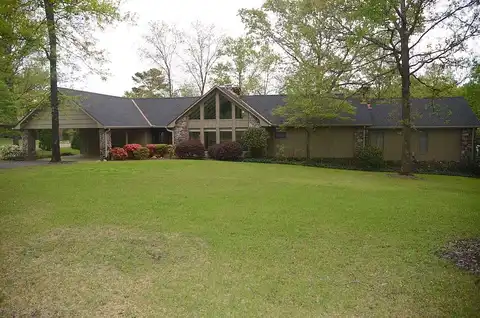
x,y
445,127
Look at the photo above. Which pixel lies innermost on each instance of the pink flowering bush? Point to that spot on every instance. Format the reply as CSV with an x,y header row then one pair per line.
x,y
118,154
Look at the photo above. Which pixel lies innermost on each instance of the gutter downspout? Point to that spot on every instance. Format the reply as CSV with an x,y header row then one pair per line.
x,y
173,135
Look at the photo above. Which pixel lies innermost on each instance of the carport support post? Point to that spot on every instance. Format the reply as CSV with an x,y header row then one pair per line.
x,y
105,137
28,144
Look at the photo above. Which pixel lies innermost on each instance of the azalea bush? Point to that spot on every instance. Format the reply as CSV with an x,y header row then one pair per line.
x,y
118,153
190,149
11,152
142,153
227,151
130,148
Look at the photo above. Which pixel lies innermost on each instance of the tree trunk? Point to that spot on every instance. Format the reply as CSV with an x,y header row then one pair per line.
x,y
307,131
52,57
406,167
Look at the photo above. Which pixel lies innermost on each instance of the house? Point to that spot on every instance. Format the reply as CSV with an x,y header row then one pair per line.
x,y
444,127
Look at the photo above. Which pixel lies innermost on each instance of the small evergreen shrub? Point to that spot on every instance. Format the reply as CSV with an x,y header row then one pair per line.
x,y
227,151
11,152
130,148
370,157
190,149
75,143
142,153
211,151
255,139
45,138
118,153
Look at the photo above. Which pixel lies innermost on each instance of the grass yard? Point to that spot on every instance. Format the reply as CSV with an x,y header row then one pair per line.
x,y
186,238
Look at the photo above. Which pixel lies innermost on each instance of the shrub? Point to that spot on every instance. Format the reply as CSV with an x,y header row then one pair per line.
x,y
170,151
228,151
211,151
11,152
45,138
370,157
130,148
142,153
158,149
190,149
255,139
75,143
118,153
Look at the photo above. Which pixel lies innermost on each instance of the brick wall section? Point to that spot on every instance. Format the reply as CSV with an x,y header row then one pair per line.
x,y
466,144
359,135
28,144
105,137
181,130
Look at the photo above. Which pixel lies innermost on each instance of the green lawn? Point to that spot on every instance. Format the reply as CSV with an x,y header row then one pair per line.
x,y
186,238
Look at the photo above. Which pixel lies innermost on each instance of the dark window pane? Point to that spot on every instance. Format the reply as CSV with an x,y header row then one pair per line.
x,y
195,135
209,108
280,134
195,113
239,113
225,108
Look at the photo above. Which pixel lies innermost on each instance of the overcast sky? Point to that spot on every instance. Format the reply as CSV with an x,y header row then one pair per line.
x,y
123,42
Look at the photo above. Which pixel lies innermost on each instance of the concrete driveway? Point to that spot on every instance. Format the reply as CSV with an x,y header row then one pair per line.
x,y
43,162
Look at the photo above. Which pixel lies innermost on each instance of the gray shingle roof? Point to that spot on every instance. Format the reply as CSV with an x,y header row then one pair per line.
x,y
265,104
161,111
425,112
110,111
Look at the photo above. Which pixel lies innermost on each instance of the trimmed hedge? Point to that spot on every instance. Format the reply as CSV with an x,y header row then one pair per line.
x,y
370,157
227,151
255,139
190,149
160,150
452,168
45,139
142,153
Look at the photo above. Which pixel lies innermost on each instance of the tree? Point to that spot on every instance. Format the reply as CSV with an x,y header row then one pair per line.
x,y
248,65
319,63
162,44
367,41
202,51
404,31
149,84
472,89
187,89
70,26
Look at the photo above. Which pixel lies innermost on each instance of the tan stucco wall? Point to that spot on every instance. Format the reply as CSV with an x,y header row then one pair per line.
x,y
333,142
70,117
443,144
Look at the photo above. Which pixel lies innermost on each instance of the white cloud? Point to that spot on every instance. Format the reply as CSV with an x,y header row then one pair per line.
x,y
122,43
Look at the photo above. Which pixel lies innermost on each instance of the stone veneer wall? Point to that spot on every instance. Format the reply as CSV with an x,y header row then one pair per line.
x,y
105,136
466,144
28,144
180,131
360,138
253,121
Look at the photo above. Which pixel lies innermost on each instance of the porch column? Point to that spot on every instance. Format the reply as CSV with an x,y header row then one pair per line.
x,y
234,123
126,137
29,146
217,116
105,137
202,123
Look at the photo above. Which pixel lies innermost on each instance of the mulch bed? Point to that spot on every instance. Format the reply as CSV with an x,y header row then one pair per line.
x,y
464,253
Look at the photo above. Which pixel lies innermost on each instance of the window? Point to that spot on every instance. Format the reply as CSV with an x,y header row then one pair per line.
x,y
423,142
209,108
280,134
225,108
210,138
239,113
195,113
194,135
225,136
376,140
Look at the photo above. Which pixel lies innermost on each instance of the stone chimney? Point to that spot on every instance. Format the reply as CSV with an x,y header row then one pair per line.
x,y
234,89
